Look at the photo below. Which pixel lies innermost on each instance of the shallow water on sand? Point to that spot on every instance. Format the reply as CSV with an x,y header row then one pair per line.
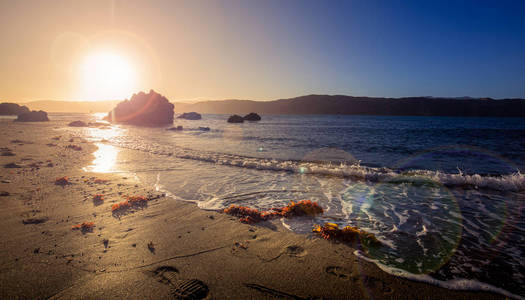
x,y
444,195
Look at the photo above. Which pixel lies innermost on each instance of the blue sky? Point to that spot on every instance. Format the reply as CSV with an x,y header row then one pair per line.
x,y
265,50
395,48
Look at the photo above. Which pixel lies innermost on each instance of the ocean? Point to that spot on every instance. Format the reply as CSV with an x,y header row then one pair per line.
x,y
444,195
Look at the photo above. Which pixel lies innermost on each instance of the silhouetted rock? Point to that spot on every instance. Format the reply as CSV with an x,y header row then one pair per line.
x,y
252,117
143,109
77,124
235,119
33,116
177,128
190,116
12,109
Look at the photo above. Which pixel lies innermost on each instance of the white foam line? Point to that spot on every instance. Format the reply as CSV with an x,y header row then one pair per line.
x,y
454,284
511,182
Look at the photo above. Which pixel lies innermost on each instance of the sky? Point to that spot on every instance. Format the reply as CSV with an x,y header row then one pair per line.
x,y
260,50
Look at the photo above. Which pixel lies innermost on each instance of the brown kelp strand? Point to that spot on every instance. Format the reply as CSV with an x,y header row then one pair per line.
x,y
131,201
252,215
348,234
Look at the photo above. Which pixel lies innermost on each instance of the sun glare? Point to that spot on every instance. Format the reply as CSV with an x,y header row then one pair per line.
x,y
106,76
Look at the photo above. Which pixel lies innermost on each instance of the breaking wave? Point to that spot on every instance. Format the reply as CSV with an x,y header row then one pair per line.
x,y
510,182
453,284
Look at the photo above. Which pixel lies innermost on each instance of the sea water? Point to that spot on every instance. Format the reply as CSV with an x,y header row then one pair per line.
x,y
444,195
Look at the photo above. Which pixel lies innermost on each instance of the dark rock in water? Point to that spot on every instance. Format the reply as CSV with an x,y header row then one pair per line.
x,y
77,124
190,116
33,116
12,109
143,109
235,119
252,117
177,128
204,128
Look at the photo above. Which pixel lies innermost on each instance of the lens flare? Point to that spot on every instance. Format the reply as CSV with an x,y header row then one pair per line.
x,y
107,76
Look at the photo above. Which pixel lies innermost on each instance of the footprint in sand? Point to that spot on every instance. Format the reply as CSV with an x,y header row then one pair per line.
x,y
374,284
294,250
377,285
340,272
166,274
182,288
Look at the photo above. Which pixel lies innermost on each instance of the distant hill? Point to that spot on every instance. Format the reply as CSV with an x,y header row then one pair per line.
x,y
349,105
323,104
72,106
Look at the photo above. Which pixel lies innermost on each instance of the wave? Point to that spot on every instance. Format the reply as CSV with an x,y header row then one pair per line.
x,y
510,182
454,284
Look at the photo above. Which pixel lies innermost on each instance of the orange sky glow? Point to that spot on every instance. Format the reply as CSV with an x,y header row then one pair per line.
x,y
107,50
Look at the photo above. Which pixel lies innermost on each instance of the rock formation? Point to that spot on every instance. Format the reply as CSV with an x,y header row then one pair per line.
x,y
77,124
252,117
235,119
190,116
143,109
33,116
12,109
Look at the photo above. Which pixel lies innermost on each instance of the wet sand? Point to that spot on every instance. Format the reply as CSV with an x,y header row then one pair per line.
x,y
206,253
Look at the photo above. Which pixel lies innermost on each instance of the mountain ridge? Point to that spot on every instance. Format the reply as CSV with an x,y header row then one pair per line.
x,y
357,105
323,104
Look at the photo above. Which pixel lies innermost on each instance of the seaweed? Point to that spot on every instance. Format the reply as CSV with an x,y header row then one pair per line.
x,y
246,214
84,227
62,181
74,147
301,208
120,206
294,209
131,201
348,234
98,197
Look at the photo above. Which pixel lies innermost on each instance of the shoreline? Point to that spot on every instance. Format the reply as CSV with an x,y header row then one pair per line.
x,y
45,258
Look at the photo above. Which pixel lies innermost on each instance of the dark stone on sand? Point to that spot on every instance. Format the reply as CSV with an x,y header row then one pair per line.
x,y
12,165
204,128
77,124
4,194
12,109
143,109
35,220
7,153
33,116
252,117
176,128
235,119
190,116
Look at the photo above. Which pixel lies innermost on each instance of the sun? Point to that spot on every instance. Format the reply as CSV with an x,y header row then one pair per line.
x,y
106,76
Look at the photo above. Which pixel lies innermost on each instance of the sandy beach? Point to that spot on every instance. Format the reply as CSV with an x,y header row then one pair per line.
x,y
163,249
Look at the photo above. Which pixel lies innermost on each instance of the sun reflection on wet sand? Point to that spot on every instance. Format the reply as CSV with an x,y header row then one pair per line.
x,y
106,154
105,159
